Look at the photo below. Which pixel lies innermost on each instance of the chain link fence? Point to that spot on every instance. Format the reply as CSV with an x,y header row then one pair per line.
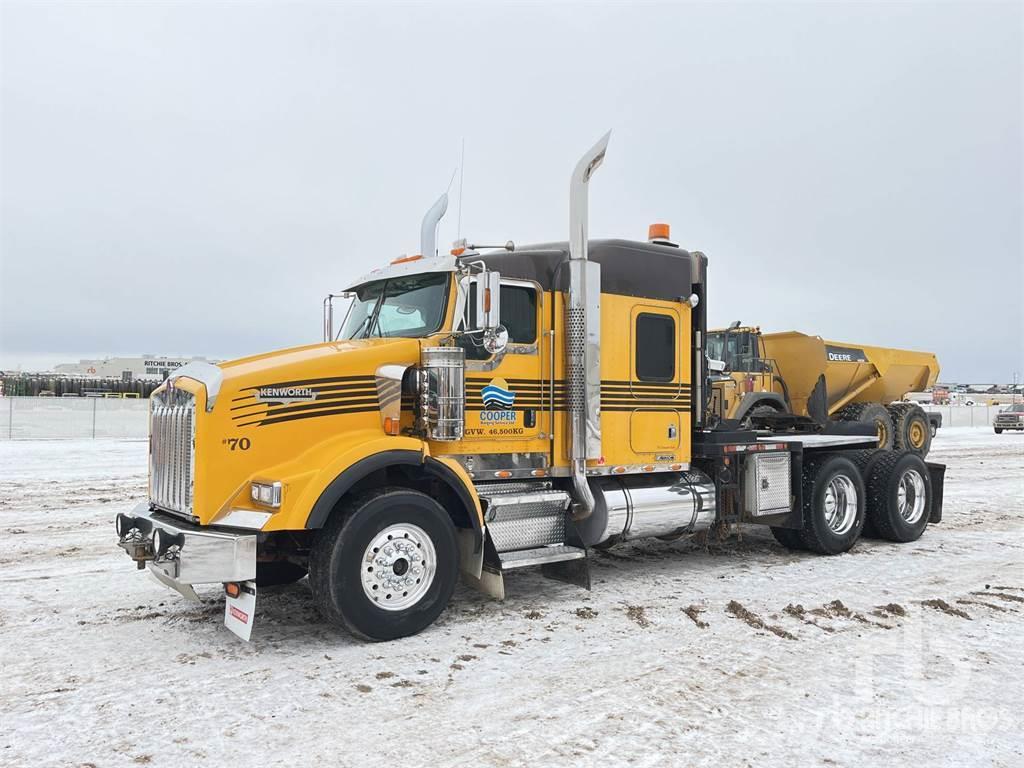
x,y
42,418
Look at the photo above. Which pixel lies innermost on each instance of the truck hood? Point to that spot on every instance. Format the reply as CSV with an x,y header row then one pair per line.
x,y
304,365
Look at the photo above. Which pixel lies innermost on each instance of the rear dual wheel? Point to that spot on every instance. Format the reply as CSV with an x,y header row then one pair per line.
x,y
833,507
899,496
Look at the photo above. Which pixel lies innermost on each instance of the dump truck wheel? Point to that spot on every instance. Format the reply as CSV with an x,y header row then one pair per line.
x,y
788,538
274,574
385,565
913,431
870,413
899,496
833,504
757,410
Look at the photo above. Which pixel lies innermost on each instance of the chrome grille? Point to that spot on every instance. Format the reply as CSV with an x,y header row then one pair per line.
x,y
171,457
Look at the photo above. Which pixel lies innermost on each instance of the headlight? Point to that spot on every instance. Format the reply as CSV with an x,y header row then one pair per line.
x,y
267,494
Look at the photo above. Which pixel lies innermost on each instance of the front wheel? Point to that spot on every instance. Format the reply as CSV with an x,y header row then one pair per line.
x,y
998,430
385,566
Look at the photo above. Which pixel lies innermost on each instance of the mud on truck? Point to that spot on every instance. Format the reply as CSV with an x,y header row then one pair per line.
x,y
481,412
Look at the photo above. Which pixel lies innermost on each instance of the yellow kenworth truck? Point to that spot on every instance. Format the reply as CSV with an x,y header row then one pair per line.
x,y
766,379
480,412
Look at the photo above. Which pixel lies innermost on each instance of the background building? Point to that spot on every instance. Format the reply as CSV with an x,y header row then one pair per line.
x,y
146,367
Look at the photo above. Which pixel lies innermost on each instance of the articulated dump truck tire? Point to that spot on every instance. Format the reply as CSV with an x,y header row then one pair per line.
x,y
870,413
899,495
385,565
912,431
833,504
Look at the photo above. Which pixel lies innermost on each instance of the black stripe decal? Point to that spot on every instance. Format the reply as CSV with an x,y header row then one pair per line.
x,y
316,414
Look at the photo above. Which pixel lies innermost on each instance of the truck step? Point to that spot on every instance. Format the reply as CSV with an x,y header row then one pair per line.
x,y
540,556
526,520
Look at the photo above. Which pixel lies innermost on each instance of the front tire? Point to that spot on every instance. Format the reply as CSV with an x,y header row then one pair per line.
x,y
385,565
833,505
998,430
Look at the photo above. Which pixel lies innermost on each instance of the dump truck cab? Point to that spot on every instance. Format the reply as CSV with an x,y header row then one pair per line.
x,y
748,384
480,412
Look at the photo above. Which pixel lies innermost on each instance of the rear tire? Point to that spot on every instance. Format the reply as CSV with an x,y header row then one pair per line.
x,y
913,430
385,565
278,572
789,538
870,413
899,494
865,459
833,504
758,410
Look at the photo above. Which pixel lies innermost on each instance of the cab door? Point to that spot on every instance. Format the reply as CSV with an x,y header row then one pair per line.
x,y
508,396
656,382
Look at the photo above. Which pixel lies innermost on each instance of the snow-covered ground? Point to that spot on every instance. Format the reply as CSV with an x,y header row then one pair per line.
x,y
736,654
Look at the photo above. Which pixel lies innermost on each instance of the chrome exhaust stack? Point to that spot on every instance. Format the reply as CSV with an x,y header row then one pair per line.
x,y
583,324
428,229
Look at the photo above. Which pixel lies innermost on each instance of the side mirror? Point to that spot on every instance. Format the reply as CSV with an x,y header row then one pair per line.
x,y
488,312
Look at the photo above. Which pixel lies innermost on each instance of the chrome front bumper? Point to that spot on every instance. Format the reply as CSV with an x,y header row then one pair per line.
x,y
199,555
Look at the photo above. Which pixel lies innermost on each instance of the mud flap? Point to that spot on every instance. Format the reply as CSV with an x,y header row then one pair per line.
x,y
937,474
240,612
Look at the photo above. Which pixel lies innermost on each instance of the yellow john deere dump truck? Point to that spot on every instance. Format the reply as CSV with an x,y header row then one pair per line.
x,y
768,375
483,412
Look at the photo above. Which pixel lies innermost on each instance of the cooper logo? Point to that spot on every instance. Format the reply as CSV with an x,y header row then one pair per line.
x,y
285,394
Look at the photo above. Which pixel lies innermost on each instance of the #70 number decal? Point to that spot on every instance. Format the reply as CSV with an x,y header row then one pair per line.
x,y
237,443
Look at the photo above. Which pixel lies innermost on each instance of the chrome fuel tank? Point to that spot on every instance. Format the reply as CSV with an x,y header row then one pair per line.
x,y
635,507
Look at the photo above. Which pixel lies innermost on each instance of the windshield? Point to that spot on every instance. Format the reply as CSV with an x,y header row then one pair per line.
x,y
411,306
737,349
1016,409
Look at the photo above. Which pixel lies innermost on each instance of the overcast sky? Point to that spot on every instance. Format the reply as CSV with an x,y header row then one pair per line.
x,y
193,178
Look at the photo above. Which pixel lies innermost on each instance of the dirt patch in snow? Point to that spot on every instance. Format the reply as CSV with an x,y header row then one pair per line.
x,y
941,605
694,612
752,619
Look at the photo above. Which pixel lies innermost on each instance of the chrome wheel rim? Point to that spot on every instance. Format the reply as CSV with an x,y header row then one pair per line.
x,y
840,504
912,496
398,567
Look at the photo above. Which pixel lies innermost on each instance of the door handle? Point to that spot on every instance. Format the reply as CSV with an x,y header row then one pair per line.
x,y
671,431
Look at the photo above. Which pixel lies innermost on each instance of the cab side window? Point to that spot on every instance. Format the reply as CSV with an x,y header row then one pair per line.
x,y
655,347
518,312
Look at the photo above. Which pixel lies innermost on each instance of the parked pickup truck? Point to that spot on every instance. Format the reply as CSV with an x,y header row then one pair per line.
x,y
1009,418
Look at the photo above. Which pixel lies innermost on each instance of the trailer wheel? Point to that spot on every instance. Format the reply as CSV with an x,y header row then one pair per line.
x,y
899,496
386,567
870,413
833,504
913,430
277,573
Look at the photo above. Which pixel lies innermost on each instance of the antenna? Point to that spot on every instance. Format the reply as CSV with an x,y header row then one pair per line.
x,y
462,168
